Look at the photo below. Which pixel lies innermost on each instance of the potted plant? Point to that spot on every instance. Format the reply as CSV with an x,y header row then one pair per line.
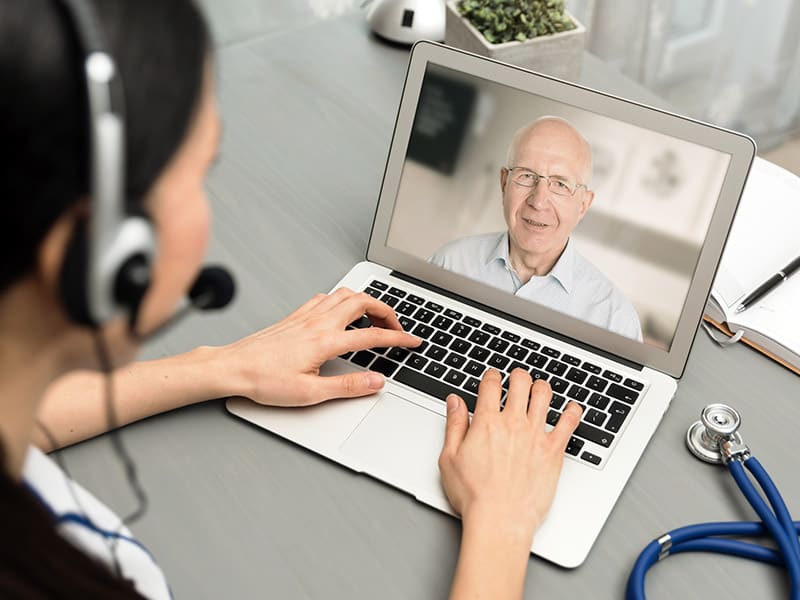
x,y
536,34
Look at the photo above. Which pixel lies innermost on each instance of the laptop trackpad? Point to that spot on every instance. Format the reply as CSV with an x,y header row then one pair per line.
x,y
399,442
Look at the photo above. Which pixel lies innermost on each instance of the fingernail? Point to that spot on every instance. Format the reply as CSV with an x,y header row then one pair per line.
x,y
375,381
452,402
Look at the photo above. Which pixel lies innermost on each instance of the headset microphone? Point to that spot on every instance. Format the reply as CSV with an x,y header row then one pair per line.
x,y
213,288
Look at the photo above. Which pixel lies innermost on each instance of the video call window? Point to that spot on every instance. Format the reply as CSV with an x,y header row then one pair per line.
x,y
584,214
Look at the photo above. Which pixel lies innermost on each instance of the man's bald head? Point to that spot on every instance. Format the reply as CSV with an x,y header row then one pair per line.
x,y
555,128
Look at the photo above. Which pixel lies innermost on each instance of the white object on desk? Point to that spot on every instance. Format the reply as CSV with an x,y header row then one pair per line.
x,y
763,238
407,21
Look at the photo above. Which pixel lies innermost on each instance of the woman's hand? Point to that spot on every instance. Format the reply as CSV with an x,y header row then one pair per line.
x,y
279,365
500,474
501,470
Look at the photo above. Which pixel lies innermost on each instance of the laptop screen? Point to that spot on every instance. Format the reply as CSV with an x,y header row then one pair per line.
x,y
598,218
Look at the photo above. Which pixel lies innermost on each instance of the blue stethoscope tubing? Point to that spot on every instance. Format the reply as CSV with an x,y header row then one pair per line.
x,y
705,537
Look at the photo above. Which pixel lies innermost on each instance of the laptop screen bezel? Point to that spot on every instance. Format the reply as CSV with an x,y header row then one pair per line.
x,y
741,149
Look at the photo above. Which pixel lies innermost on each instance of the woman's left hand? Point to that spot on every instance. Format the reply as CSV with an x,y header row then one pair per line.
x,y
279,365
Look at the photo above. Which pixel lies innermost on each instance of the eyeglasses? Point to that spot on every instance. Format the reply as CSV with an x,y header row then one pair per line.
x,y
557,185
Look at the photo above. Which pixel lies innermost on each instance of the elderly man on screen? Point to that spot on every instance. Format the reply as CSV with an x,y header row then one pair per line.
x,y
545,195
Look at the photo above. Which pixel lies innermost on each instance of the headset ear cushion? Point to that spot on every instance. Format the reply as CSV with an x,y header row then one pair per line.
x,y
73,282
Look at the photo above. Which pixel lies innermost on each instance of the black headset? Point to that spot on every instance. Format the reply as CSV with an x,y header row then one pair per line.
x,y
107,267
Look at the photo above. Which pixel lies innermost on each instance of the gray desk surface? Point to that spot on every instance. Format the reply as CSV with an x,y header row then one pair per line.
x,y
236,512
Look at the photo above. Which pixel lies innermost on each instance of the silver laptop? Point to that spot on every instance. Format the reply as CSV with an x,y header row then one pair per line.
x,y
474,193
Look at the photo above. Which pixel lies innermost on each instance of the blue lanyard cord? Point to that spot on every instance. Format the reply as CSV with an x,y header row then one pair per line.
x,y
703,537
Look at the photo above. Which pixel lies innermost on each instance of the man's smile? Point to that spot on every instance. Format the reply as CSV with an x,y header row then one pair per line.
x,y
535,224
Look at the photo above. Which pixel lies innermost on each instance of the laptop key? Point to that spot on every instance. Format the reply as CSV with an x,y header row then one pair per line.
x,y
574,446
441,338
417,361
346,355
435,369
398,354
489,328
472,321
390,300
596,383
436,352
593,416
612,376
497,345
437,389
397,292
434,307
598,401
361,323
537,360
363,358
619,413
551,352
479,353
406,323
442,323
592,458
571,360
406,308
385,366
472,385
511,337
423,331
416,299
636,385
453,314
576,375
530,344
460,330
461,346
373,292
455,360
498,361
475,368
424,315
622,393
517,352
379,285
559,385
479,337
552,417
455,377
577,392
593,434
557,402
537,374
587,366
556,367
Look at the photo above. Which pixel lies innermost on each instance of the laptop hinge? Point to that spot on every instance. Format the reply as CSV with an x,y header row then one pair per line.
x,y
522,322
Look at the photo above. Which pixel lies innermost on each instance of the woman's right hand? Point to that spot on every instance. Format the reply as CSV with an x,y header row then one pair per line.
x,y
501,471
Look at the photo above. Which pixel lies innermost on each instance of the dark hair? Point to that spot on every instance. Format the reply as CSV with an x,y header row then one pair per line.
x,y
161,48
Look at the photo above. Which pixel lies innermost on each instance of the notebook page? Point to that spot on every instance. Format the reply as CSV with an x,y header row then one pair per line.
x,y
776,316
764,236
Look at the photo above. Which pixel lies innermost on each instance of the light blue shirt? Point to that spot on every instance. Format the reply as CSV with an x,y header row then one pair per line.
x,y
573,286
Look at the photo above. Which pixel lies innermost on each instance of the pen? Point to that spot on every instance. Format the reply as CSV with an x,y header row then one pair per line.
x,y
770,284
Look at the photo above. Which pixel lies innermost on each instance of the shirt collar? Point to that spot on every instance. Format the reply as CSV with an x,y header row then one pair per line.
x,y
563,271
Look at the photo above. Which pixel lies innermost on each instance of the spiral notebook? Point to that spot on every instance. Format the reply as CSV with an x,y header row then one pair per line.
x,y
763,239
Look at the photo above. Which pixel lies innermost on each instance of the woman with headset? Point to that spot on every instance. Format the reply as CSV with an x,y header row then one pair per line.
x,y
56,539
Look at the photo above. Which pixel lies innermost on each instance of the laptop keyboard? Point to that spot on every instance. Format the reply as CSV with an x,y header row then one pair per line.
x,y
458,348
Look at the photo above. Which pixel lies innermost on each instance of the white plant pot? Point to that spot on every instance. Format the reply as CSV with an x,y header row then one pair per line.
x,y
557,54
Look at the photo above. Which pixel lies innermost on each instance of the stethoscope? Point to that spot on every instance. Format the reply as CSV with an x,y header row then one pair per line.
x,y
715,439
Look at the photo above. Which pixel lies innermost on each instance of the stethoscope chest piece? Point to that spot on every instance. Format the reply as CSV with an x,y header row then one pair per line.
x,y
717,422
